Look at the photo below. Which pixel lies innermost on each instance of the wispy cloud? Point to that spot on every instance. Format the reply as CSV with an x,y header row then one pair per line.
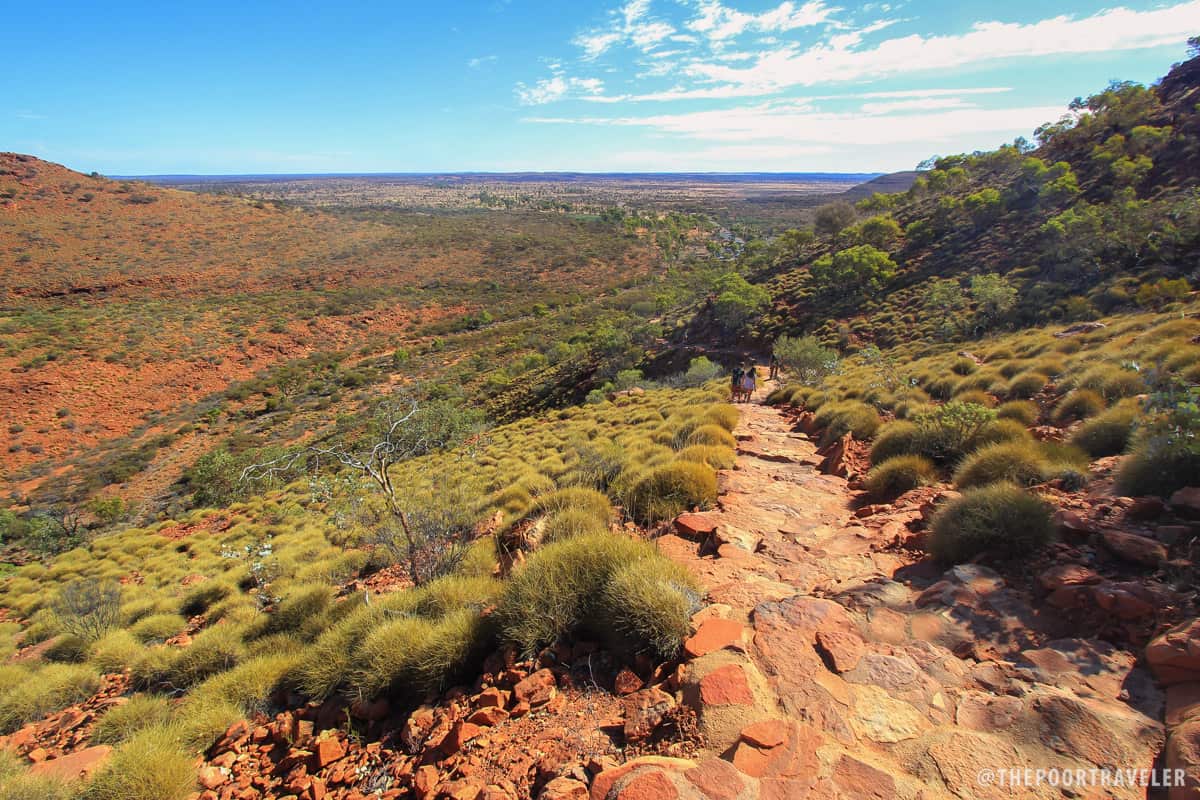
x,y
800,123
841,59
630,24
718,22
547,90
26,114
476,63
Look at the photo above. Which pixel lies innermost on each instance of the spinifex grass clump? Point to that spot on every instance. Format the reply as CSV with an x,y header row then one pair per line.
x,y
668,490
1001,519
893,477
603,585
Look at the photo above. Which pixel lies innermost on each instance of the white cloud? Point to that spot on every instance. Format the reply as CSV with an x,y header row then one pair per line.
x,y
558,87
476,63
839,60
630,24
799,124
719,22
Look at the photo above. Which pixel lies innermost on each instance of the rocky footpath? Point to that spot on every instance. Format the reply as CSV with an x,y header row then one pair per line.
x,y
837,661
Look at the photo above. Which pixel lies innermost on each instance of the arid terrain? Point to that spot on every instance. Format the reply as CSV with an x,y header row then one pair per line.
x,y
554,488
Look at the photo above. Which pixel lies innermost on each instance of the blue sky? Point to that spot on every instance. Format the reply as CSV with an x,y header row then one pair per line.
x,y
499,85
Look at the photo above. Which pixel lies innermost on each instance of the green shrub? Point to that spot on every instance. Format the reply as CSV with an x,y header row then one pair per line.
x,y
1026,385
976,396
302,612
1113,382
895,439
412,656
157,627
715,457
27,786
649,604
580,498
139,712
1109,433
1159,467
1001,519
1022,411
563,589
805,358
446,595
67,647
952,430
571,522
849,416
1079,404
203,595
712,436
896,475
116,651
1021,463
723,414
782,395
213,651
329,661
150,766
41,692
668,490
963,366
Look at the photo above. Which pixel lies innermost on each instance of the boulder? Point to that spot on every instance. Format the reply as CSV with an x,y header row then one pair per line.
x,y
77,765
1134,548
1174,656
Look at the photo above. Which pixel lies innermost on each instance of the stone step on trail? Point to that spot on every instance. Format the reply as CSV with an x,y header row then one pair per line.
x,y
832,664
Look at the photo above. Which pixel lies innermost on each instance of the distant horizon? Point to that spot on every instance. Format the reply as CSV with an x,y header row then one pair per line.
x,y
501,173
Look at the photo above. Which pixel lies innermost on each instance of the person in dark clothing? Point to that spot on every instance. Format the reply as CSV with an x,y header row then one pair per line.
x,y
735,381
774,367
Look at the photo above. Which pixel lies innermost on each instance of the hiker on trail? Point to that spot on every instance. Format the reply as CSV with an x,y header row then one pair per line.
x,y
735,381
774,367
749,383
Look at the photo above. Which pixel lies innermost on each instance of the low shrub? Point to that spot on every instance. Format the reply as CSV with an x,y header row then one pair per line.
x,y
139,712
895,439
848,416
157,628
1109,433
1077,405
1022,411
1020,463
591,501
150,766
203,595
715,457
1026,385
116,651
1113,382
712,436
564,589
894,476
1158,467
213,651
649,604
976,396
723,414
947,433
412,656
38,693
668,490
571,522
1001,519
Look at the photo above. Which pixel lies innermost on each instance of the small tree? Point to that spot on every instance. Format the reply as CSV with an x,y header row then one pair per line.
x,y
88,608
738,301
853,270
994,296
428,529
832,218
806,358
